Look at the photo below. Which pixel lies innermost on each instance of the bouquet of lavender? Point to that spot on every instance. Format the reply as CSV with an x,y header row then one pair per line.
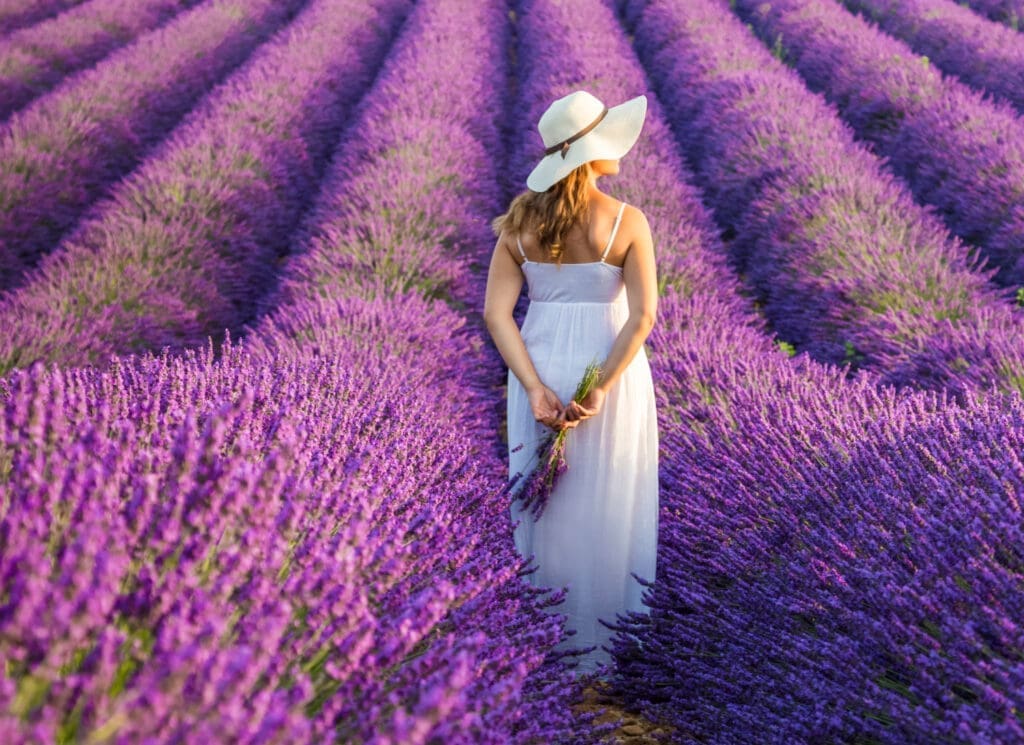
x,y
551,455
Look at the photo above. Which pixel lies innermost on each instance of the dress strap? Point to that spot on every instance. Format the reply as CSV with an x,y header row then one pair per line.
x,y
615,229
520,244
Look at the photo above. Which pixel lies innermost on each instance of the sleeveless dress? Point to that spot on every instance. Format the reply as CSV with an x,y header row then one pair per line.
x,y
601,521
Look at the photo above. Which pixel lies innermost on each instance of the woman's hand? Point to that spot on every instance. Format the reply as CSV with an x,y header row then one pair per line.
x,y
577,411
545,406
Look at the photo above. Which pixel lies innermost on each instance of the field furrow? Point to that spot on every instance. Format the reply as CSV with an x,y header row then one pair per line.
x,y
185,245
983,54
957,151
33,60
848,267
15,14
1010,12
63,152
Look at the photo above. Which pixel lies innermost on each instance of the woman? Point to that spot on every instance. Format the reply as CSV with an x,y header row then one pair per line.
x,y
588,261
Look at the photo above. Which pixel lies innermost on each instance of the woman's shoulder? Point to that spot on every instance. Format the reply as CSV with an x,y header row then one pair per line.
x,y
634,220
632,212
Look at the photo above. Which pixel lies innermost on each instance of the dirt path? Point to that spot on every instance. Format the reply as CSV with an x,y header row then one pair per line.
x,y
635,730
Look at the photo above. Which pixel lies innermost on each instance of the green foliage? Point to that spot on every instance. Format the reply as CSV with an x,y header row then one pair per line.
x,y
137,646
31,694
778,49
6,464
1012,377
67,732
785,347
852,356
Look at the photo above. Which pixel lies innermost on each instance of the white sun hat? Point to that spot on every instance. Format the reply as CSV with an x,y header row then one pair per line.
x,y
578,128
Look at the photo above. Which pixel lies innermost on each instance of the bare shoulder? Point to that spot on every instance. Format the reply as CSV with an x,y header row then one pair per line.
x,y
635,220
635,229
507,241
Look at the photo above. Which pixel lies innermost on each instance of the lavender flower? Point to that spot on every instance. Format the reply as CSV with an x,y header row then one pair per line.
x,y
192,237
956,150
63,152
34,59
550,454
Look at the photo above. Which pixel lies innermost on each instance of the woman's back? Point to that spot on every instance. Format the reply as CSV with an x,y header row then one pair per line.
x,y
591,281
606,228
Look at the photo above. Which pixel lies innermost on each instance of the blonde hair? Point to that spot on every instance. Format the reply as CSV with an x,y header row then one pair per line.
x,y
550,214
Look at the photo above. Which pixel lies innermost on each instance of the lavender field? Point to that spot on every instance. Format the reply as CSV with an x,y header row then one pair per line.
x,y
253,465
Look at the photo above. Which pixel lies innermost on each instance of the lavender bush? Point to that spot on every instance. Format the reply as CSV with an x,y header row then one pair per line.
x,y
34,59
957,151
983,54
848,268
844,564
261,549
1010,12
15,14
186,244
60,154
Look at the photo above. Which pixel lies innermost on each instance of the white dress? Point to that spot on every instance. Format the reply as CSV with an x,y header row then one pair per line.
x,y
601,521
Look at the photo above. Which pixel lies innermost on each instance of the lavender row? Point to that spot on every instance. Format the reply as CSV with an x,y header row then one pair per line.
x,y
405,209
844,563
36,58
416,592
397,218
984,54
15,14
190,239
847,266
260,548
61,154
957,151
1010,12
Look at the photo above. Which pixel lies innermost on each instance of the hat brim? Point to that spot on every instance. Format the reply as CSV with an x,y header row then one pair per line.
x,y
611,139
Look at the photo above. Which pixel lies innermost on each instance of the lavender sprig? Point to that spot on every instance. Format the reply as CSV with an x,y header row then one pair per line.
x,y
551,454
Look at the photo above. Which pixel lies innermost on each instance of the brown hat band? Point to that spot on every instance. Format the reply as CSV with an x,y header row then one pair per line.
x,y
564,145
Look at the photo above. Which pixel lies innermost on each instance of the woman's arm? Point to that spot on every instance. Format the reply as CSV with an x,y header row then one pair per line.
x,y
504,282
641,280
